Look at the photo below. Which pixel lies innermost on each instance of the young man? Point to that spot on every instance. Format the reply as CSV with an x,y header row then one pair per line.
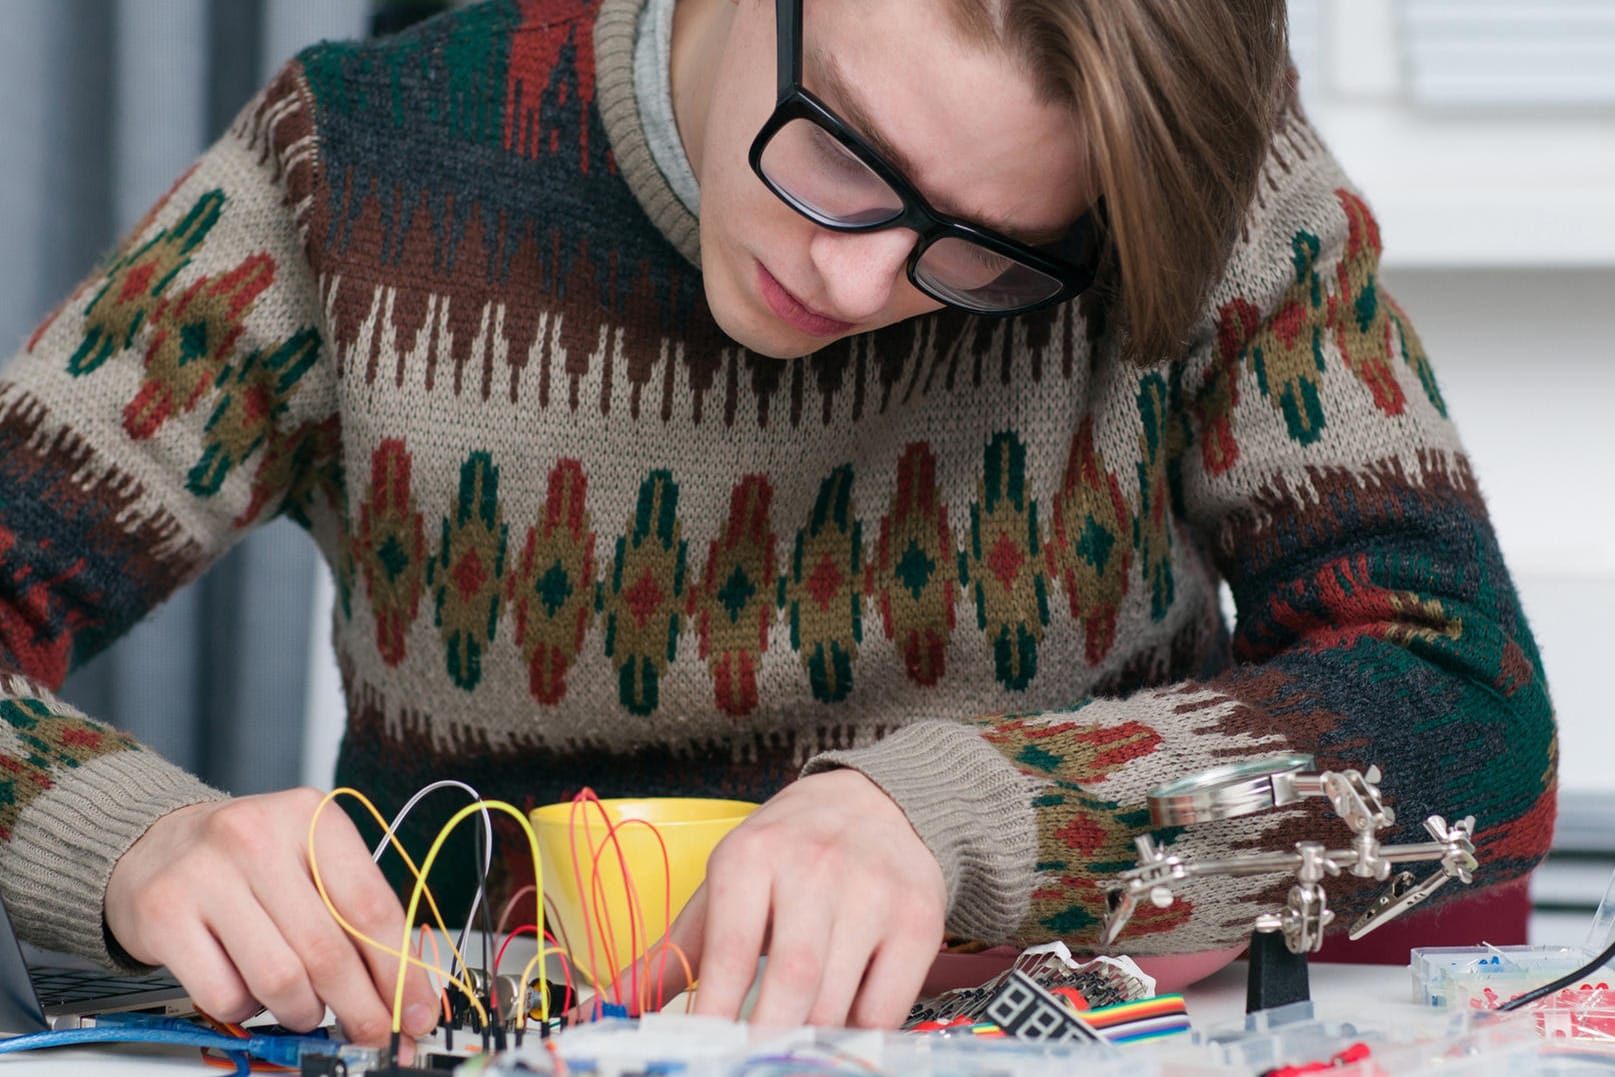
x,y
685,395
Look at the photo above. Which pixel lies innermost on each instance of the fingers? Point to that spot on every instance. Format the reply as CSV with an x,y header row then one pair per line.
x,y
733,930
864,966
330,965
272,969
354,978
893,980
256,902
852,947
849,901
223,895
209,976
799,942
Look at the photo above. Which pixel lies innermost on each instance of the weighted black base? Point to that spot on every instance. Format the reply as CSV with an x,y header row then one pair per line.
x,y
1277,976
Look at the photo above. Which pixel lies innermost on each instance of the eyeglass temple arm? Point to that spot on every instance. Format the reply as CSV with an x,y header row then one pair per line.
x,y
787,35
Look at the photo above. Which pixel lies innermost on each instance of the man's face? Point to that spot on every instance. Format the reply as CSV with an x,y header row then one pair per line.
x,y
966,129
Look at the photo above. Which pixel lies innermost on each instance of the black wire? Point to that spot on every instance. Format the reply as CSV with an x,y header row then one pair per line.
x,y
459,943
487,925
1562,982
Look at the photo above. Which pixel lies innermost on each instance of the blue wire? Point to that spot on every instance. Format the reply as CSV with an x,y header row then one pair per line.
x,y
243,1062
280,1050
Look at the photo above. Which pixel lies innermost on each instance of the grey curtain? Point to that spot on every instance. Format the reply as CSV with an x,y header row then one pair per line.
x,y
102,104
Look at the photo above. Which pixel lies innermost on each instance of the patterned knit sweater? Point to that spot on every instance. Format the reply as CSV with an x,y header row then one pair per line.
x,y
431,299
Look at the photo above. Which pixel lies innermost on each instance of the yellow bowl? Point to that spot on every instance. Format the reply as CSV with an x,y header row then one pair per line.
x,y
690,827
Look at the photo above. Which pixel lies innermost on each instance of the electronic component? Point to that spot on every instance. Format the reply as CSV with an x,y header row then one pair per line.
x,y
1100,981
323,1066
709,1047
1457,975
1026,1011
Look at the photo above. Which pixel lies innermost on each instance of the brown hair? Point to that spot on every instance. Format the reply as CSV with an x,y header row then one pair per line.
x,y
1177,100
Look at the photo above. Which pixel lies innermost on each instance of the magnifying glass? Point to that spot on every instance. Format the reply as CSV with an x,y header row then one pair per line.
x,y
1228,792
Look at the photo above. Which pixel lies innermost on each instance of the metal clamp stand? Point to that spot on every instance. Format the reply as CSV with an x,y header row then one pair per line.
x,y
1279,781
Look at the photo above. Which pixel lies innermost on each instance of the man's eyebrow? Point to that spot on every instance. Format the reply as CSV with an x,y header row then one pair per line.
x,y
852,110
850,107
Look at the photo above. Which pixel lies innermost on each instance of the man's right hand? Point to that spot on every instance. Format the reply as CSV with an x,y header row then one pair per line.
x,y
221,893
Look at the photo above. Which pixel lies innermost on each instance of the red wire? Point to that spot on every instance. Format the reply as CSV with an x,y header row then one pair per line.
x,y
500,956
577,875
428,935
609,930
229,1028
566,959
587,796
636,911
667,907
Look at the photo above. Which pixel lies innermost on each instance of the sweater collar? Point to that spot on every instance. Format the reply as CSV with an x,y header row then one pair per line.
x,y
614,30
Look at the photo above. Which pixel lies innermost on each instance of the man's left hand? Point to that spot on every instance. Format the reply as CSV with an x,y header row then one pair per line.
x,y
832,883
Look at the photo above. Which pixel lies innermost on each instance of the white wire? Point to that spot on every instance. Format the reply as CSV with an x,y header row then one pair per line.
x,y
487,841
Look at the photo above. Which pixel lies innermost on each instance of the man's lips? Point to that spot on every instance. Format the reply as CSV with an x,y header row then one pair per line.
x,y
791,310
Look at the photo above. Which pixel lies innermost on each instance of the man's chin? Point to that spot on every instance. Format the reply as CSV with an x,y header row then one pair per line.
x,y
774,350
762,335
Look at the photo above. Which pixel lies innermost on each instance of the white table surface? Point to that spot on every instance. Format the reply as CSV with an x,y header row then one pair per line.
x,y
1337,990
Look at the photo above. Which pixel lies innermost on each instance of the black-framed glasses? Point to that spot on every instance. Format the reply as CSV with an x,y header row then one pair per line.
x,y
822,168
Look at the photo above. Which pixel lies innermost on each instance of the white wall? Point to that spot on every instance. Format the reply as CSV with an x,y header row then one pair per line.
x,y
1526,360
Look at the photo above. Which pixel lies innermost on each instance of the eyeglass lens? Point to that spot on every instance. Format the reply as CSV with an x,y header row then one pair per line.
x,y
827,179
831,184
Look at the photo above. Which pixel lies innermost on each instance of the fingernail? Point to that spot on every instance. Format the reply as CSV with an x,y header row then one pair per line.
x,y
420,1018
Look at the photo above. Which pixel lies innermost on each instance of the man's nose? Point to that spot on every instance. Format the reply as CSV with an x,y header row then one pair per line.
x,y
860,269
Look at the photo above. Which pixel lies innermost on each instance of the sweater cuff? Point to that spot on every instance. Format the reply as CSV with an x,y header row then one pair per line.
x,y
67,841
972,809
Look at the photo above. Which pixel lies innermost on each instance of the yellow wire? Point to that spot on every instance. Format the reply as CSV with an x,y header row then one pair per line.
x,y
402,953
574,978
636,910
420,888
544,994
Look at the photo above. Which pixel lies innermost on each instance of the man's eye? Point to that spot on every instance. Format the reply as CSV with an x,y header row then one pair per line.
x,y
834,156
